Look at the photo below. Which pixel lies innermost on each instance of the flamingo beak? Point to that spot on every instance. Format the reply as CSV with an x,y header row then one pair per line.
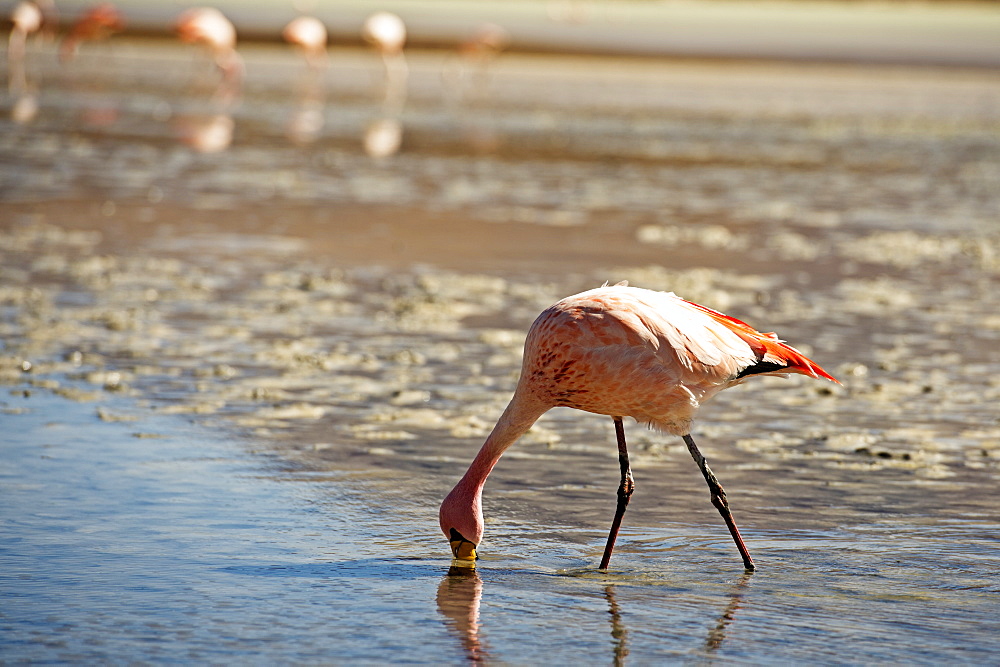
x,y
462,548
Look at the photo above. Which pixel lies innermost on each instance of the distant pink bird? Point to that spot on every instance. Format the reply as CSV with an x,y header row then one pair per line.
x,y
26,18
309,34
624,352
387,33
209,27
97,23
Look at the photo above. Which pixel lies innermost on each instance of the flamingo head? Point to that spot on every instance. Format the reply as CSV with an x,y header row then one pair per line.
x,y
461,519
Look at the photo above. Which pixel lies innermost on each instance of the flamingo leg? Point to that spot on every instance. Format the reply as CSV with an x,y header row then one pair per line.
x,y
625,490
719,500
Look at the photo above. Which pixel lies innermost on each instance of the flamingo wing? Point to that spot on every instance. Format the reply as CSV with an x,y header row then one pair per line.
x,y
698,344
774,355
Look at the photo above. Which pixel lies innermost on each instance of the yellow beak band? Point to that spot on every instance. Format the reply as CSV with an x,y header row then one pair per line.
x,y
462,548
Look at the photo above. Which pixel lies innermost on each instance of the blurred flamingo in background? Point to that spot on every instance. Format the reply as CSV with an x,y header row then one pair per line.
x,y
212,132
477,54
306,120
26,19
466,79
624,352
97,23
209,27
309,34
459,596
387,33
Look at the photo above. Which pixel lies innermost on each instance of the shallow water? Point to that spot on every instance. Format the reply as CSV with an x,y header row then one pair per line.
x,y
240,382
193,549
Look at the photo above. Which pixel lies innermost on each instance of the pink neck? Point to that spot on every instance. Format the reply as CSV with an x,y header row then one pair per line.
x,y
513,423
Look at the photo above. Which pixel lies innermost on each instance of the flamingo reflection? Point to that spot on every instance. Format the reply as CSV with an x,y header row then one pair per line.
x,y
716,634
736,599
205,133
461,590
383,137
618,632
458,599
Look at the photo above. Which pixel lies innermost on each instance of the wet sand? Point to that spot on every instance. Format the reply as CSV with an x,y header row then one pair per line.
x,y
358,322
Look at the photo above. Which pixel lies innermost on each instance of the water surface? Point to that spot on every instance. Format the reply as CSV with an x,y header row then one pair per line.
x,y
238,383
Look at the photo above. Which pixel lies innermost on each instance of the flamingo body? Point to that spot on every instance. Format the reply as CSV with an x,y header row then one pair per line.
x,y
26,17
98,22
208,26
386,31
308,33
624,352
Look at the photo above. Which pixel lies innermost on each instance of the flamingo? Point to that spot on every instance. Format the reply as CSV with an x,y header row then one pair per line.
x,y
98,22
26,18
306,120
469,73
483,47
309,34
208,26
387,33
624,352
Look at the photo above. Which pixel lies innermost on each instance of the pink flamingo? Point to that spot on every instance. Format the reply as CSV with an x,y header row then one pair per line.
x,y
306,120
387,33
209,27
624,352
309,34
97,23
26,19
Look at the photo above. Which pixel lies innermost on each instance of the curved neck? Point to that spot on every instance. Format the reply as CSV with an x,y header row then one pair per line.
x,y
513,423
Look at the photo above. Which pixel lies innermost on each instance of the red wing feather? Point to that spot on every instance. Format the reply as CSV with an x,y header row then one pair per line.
x,y
768,345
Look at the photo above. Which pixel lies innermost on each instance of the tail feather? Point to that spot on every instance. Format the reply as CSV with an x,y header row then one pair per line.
x,y
775,355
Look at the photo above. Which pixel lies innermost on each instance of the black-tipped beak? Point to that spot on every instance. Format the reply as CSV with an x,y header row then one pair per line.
x,y
462,548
